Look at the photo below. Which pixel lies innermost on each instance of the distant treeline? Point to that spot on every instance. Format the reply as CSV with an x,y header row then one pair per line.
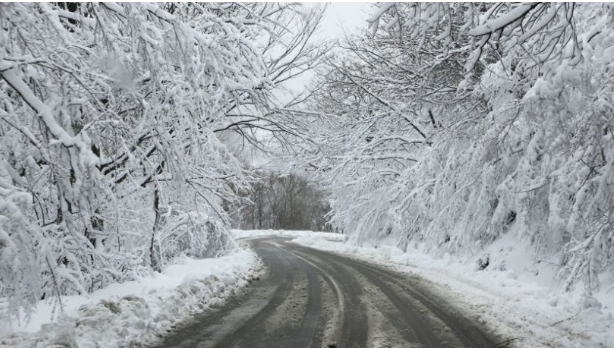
x,y
286,202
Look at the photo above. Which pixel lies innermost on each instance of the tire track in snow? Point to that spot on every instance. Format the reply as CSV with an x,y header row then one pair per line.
x,y
311,298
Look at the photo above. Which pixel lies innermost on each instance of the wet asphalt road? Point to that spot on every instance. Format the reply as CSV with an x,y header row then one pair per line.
x,y
311,298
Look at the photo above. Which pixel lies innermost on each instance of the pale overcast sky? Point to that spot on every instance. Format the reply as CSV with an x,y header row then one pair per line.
x,y
339,17
343,15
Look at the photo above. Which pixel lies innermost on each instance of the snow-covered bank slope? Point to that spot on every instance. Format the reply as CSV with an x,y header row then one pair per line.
x,y
498,135
136,312
528,310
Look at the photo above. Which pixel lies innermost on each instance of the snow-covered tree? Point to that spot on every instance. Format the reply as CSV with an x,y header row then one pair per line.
x,y
115,121
288,202
462,122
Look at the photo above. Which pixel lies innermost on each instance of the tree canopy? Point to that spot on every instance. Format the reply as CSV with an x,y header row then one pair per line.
x,y
117,129
457,123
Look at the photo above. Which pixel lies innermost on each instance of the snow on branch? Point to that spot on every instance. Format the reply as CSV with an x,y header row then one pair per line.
x,y
513,102
46,114
119,121
509,18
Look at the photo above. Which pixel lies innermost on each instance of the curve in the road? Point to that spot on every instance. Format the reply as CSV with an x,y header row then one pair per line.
x,y
312,298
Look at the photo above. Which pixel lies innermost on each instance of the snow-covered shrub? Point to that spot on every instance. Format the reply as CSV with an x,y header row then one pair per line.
x,y
193,235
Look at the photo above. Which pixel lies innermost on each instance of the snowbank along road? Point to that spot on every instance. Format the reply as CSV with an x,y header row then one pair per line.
x,y
311,298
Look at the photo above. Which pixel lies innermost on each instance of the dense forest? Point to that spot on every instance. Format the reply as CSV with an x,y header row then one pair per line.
x,y
451,125
123,129
119,129
287,202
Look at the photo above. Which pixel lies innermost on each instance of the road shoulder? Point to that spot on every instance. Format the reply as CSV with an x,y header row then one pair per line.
x,y
136,313
522,315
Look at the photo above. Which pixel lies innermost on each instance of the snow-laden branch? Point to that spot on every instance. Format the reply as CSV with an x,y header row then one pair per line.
x,y
499,23
46,115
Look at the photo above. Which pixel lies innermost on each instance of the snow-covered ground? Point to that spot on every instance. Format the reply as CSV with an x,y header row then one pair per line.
x,y
516,296
517,299
249,234
133,313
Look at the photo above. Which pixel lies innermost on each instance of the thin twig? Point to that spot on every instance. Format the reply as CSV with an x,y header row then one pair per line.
x,y
569,318
505,342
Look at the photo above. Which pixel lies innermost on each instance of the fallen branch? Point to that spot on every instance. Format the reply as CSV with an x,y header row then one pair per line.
x,y
569,318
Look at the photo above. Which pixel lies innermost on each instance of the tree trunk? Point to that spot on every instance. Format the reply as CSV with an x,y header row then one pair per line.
x,y
154,247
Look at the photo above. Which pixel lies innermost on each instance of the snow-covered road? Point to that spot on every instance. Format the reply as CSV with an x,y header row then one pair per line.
x,y
523,308
319,290
311,298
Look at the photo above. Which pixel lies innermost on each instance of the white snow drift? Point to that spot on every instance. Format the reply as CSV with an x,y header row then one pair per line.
x,y
520,301
135,312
